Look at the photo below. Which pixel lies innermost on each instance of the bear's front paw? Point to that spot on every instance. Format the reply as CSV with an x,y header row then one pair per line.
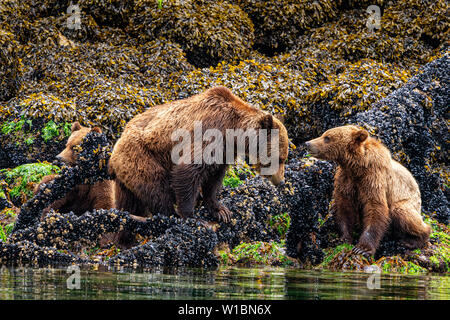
x,y
363,250
222,213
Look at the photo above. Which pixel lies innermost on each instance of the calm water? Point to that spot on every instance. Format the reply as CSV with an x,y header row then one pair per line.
x,y
230,283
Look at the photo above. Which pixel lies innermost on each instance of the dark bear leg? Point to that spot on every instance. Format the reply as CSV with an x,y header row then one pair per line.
x,y
345,217
375,222
210,187
185,182
126,201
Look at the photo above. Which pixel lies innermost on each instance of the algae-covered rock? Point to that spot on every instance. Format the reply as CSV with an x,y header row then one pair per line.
x,y
101,85
257,81
208,31
350,38
22,180
279,23
114,13
10,66
334,101
418,19
23,140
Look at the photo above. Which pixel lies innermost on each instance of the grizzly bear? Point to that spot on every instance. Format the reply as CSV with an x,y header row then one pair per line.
x,y
83,197
148,181
370,186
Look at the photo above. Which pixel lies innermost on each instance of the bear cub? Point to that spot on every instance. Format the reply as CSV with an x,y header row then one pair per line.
x,y
83,197
371,190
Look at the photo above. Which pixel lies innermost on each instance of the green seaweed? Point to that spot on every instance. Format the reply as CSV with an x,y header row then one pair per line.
x,y
257,253
281,223
21,180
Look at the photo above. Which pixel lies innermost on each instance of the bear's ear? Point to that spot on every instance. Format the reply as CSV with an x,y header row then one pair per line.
x,y
97,129
76,126
360,136
266,121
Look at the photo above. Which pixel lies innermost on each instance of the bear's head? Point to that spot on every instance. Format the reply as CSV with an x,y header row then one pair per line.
x,y
274,169
339,144
78,133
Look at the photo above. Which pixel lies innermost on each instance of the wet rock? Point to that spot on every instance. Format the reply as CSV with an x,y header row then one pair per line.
x,y
26,253
184,243
307,193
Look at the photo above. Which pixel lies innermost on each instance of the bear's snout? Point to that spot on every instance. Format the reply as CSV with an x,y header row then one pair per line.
x,y
310,147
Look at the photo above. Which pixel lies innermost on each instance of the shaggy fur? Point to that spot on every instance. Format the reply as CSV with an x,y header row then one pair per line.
x,y
372,187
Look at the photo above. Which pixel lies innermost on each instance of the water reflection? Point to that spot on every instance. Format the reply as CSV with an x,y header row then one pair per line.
x,y
225,283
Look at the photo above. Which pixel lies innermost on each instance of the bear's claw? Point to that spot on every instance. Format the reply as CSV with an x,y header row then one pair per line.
x,y
223,214
359,250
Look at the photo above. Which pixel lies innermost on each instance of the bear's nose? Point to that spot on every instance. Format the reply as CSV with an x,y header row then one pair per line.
x,y
307,144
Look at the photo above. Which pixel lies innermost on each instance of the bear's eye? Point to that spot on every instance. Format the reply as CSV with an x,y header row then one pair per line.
x,y
326,139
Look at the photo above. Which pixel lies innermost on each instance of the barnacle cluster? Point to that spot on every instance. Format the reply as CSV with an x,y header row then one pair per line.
x,y
184,243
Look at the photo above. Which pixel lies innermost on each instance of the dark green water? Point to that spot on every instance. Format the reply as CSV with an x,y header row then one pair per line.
x,y
230,283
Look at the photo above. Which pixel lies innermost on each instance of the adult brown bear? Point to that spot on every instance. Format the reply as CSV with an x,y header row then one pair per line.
x,y
370,184
147,179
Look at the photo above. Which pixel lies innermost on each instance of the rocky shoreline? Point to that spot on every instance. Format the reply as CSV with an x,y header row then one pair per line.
x,y
318,69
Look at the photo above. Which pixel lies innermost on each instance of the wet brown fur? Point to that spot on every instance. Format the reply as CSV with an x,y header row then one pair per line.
x,y
372,187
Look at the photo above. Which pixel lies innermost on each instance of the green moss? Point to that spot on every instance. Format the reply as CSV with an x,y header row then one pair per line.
x,y
50,131
331,253
281,223
236,174
441,256
257,253
21,180
398,265
7,218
